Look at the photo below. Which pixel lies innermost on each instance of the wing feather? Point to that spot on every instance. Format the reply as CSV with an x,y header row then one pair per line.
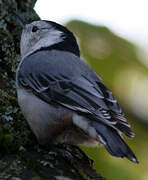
x,y
66,80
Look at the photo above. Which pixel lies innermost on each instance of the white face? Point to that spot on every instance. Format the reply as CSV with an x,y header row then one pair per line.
x,y
37,35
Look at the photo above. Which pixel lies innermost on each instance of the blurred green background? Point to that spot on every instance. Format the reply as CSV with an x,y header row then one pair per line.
x,y
115,60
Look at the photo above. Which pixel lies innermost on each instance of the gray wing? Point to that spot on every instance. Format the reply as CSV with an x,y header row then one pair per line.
x,y
63,78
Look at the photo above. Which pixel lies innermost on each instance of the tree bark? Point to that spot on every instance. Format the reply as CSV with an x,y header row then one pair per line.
x,y
20,155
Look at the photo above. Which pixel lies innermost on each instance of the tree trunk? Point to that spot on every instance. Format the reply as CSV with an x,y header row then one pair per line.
x,y
20,155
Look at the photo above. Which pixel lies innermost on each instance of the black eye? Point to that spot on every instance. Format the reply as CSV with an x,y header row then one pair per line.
x,y
34,29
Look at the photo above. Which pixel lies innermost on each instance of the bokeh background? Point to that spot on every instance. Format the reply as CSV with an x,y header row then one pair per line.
x,y
113,36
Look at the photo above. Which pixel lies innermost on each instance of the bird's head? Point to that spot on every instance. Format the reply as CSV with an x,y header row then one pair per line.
x,y
46,34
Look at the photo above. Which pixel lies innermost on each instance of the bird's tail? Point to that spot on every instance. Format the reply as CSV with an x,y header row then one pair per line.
x,y
113,142
107,135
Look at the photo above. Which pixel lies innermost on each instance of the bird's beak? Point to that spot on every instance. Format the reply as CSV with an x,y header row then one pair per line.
x,y
20,20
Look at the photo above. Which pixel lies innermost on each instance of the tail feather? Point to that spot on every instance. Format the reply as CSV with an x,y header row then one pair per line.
x,y
113,142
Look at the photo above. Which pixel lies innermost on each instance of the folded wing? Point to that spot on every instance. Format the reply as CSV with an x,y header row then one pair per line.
x,y
63,78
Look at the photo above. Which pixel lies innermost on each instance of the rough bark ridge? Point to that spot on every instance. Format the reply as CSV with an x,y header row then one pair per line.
x,y
20,155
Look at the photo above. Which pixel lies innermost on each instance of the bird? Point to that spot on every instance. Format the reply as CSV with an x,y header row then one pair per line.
x,y
61,97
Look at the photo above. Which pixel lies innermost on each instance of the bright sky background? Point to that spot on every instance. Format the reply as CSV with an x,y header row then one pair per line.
x,y
128,18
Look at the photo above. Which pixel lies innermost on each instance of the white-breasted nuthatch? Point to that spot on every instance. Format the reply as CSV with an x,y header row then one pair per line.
x,y
62,98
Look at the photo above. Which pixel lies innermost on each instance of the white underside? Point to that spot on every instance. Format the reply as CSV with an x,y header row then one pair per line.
x,y
44,120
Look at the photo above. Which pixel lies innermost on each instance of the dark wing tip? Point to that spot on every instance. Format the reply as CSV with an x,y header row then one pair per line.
x,y
125,129
122,125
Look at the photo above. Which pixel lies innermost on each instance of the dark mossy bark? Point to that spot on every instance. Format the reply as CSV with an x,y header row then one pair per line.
x,y
14,131
60,163
20,155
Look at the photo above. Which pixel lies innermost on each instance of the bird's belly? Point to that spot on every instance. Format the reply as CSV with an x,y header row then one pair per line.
x,y
50,123
44,119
